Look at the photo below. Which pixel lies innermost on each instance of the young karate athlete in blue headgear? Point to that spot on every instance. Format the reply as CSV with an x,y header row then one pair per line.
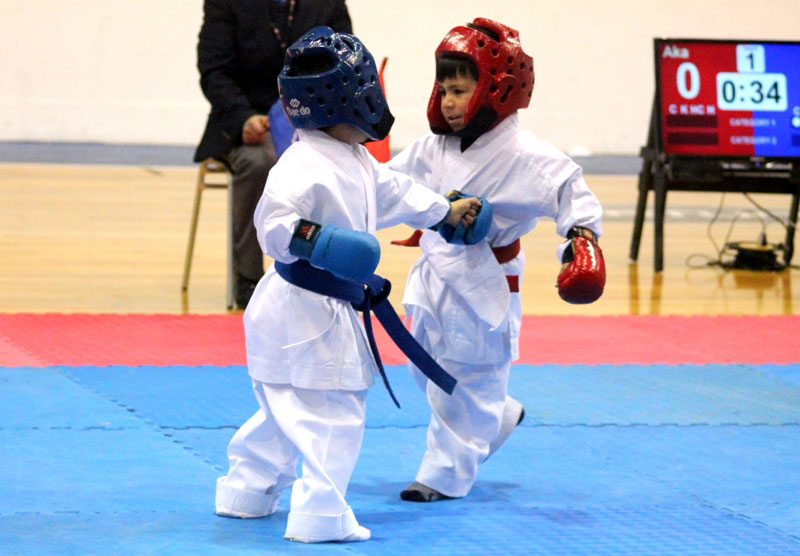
x,y
464,300
308,353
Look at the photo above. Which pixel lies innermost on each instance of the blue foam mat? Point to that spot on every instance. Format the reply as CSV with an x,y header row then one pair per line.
x,y
44,398
89,471
614,460
570,495
552,394
634,531
656,395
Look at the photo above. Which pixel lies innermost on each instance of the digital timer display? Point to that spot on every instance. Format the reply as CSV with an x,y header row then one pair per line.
x,y
742,91
728,98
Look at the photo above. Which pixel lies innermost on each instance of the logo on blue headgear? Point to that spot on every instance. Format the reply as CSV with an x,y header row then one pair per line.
x,y
330,78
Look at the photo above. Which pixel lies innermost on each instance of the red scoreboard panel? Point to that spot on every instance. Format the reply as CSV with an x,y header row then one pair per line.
x,y
728,98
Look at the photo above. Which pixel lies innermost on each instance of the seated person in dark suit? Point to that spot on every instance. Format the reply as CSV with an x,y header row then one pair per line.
x,y
240,54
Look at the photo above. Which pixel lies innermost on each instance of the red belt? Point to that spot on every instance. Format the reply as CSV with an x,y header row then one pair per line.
x,y
502,254
505,254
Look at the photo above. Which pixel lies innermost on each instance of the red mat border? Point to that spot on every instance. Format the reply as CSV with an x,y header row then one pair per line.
x,y
45,340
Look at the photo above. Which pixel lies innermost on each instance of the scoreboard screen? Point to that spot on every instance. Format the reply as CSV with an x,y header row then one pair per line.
x,y
728,98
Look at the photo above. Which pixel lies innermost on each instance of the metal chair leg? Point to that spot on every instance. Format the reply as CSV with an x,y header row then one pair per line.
x,y
230,277
198,194
212,166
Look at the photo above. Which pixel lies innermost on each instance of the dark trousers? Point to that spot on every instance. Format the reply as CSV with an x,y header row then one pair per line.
x,y
250,166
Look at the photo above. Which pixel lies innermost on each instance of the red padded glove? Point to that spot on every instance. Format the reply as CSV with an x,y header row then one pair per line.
x,y
584,276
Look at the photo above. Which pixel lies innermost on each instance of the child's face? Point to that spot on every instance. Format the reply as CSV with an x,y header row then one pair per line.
x,y
456,92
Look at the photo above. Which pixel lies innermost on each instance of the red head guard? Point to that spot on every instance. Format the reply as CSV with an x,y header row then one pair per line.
x,y
505,72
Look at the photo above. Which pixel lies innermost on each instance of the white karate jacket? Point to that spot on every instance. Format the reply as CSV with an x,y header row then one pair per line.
x,y
294,336
462,290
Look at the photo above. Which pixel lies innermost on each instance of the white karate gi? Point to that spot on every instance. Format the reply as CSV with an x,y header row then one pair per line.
x,y
307,353
457,296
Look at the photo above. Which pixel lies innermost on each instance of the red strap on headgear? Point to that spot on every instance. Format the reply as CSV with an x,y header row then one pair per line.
x,y
505,72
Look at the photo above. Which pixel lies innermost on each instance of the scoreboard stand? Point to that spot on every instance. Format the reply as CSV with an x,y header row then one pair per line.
x,y
725,118
662,172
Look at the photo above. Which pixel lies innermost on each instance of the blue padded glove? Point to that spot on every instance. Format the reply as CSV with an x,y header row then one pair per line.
x,y
474,233
346,253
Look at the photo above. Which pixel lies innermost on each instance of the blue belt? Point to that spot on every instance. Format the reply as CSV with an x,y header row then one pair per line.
x,y
369,297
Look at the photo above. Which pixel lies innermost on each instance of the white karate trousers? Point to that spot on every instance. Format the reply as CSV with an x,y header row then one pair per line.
x,y
467,426
325,427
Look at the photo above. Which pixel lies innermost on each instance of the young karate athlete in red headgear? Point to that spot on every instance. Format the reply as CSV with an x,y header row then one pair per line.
x,y
464,300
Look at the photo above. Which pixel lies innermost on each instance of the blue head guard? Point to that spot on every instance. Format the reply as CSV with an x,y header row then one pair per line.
x,y
330,78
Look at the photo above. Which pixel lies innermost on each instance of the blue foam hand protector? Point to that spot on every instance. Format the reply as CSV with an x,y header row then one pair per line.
x,y
475,232
452,234
346,253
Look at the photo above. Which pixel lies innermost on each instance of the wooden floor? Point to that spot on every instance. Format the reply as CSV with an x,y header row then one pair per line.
x,y
111,239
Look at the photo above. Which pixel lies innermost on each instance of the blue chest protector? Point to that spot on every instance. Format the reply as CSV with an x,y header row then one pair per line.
x,y
369,297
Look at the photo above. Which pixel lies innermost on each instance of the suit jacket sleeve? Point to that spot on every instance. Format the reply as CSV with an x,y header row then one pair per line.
x,y
216,60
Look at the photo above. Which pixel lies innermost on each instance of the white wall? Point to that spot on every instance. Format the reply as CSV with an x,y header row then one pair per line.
x,y
123,71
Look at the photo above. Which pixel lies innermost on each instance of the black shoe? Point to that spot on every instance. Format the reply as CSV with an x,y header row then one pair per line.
x,y
244,291
417,492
